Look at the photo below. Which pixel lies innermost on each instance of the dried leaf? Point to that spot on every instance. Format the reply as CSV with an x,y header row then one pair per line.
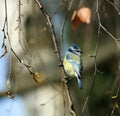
x,y
10,95
83,15
36,77
75,20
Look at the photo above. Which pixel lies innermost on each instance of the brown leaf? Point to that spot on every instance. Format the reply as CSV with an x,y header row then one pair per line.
x,y
39,77
36,77
82,15
75,20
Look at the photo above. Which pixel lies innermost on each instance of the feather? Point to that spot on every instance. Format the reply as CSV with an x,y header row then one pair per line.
x,y
80,83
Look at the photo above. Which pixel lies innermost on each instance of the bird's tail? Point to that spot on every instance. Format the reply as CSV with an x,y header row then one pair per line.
x,y
80,83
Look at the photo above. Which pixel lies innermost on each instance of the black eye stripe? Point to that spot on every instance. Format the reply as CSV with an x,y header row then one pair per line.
x,y
74,49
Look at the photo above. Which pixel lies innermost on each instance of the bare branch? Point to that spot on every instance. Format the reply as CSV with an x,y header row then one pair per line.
x,y
20,28
6,36
72,110
43,104
5,50
116,8
115,39
115,97
95,61
4,27
95,55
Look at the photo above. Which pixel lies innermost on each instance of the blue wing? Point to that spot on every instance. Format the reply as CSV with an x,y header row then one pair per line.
x,y
78,69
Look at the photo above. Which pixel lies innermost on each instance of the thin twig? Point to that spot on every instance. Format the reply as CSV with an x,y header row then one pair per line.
x,y
49,22
5,31
115,103
102,27
115,39
95,63
43,104
6,36
4,27
96,51
63,25
116,8
22,40
64,101
35,75
94,77
5,50
19,19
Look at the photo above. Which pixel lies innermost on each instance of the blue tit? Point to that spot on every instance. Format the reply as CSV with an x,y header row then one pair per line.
x,y
73,63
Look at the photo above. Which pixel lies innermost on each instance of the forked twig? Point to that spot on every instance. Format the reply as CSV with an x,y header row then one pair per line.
x,y
116,8
95,64
6,36
115,39
57,52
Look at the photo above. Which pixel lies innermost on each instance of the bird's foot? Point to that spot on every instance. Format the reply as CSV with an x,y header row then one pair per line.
x,y
65,79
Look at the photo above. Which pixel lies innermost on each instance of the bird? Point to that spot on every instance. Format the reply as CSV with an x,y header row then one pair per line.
x,y
73,65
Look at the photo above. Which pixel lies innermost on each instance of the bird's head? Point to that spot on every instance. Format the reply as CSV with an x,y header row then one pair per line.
x,y
75,50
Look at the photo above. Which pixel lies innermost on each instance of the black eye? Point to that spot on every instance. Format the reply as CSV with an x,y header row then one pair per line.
x,y
77,50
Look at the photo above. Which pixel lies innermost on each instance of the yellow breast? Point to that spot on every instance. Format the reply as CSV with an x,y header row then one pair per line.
x,y
69,68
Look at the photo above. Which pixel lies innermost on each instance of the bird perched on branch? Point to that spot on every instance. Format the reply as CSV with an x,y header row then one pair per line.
x,y
73,63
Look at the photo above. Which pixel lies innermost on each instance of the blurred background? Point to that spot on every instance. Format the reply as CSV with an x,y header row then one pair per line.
x,y
34,46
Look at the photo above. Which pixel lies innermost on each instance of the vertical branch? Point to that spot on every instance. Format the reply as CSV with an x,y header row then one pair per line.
x,y
19,18
95,55
4,27
6,36
34,75
94,76
22,40
95,61
63,94
115,97
57,52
